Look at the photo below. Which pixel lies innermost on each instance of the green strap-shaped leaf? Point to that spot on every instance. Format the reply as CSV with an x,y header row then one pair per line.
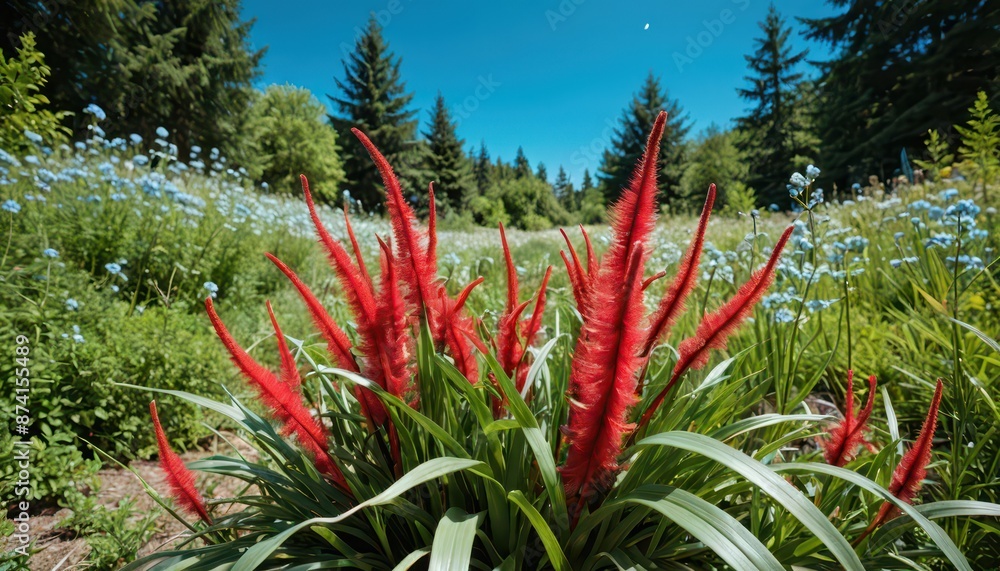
x,y
933,530
556,556
718,530
410,559
453,539
430,470
770,483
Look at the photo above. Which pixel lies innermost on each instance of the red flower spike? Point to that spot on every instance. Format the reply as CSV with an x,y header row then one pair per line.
x,y
289,371
394,345
846,436
535,323
592,265
456,328
179,477
603,379
575,280
357,285
649,281
357,249
431,229
285,404
716,327
512,285
672,303
416,271
337,342
912,469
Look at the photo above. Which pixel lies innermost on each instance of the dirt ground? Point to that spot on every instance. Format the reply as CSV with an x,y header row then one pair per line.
x,y
58,549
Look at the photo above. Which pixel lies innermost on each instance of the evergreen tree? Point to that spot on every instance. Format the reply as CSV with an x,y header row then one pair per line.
x,y
482,168
898,70
588,182
374,99
980,140
447,164
773,125
522,168
186,65
563,189
629,140
541,173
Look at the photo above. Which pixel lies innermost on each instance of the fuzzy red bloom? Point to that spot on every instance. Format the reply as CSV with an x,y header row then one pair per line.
x,y
672,303
179,477
432,238
603,374
391,340
716,327
285,404
846,436
336,340
455,329
415,269
289,371
912,469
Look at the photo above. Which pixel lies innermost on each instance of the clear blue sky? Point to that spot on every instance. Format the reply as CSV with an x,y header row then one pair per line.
x,y
550,75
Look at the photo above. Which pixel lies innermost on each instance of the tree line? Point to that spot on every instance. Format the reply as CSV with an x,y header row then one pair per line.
x,y
899,69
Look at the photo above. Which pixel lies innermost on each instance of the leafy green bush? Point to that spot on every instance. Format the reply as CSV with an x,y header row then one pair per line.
x,y
22,112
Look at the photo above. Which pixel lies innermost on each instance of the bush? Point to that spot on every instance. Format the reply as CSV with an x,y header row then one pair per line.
x,y
22,112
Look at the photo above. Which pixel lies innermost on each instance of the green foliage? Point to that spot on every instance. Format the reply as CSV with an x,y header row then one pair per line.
x,y
22,106
629,140
740,198
938,157
114,535
447,164
895,72
980,150
772,131
374,99
292,138
186,64
530,204
715,159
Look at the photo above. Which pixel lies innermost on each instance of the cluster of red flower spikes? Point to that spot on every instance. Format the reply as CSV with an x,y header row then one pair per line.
x,y
845,437
386,318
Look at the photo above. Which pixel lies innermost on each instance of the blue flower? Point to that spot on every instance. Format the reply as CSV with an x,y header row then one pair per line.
x,y
195,149
72,304
33,136
966,208
140,159
10,206
935,213
942,240
798,181
212,288
812,172
113,268
96,111
135,138
50,253
78,338
32,160
978,234
162,132
819,304
774,207
948,194
856,243
970,262
898,236
784,315
856,187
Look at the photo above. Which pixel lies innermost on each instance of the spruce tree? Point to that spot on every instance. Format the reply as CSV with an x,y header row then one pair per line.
x,y
899,69
482,169
541,173
374,99
629,140
446,162
773,125
522,168
563,189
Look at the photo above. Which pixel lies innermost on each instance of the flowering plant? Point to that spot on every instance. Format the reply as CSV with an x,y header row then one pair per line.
x,y
436,441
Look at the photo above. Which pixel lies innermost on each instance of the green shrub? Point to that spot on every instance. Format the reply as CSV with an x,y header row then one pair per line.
x,y
22,107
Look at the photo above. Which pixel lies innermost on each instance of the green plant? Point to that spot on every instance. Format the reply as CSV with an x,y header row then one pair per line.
x,y
22,107
417,454
980,144
114,535
938,157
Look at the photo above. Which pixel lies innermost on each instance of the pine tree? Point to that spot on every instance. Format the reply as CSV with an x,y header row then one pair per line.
x,y
542,174
186,65
629,140
715,159
899,69
563,189
446,162
482,169
773,125
374,99
522,168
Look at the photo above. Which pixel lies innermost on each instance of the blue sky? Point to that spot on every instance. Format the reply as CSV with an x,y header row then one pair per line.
x,y
551,75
